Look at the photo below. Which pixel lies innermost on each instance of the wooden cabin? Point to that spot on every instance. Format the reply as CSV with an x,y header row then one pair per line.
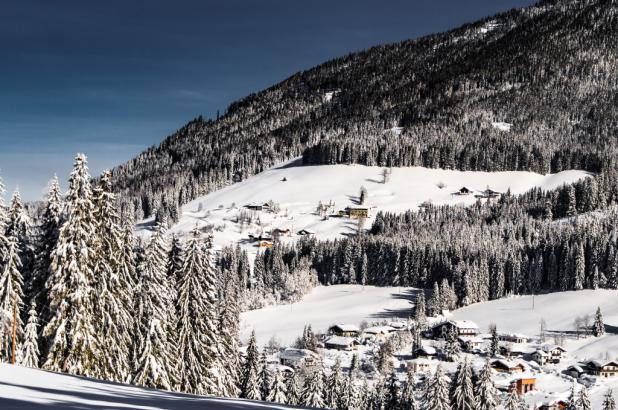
x,y
341,343
460,327
602,369
523,385
298,357
507,366
513,338
344,330
419,365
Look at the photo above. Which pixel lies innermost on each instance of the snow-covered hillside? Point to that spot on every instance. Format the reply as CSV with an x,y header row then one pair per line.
x,y
325,306
299,189
24,388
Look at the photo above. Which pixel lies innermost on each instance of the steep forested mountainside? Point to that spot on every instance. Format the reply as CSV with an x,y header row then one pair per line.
x,y
530,89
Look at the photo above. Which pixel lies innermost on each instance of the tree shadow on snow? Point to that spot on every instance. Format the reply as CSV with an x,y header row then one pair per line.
x,y
404,313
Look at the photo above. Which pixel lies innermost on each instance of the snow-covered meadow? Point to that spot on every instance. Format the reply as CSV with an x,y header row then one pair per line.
x,y
299,189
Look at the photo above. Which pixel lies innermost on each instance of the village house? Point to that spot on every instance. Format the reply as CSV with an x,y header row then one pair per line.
x,y
513,338
305,232
344,330
553,405
602,368
464,191
341,343
523,385
398,326
556,353
488,194
257,207
265,244
377,333
355,212
471,344
419,365
540,356
425,352
297,357
575,371
514,351
460,327
507,366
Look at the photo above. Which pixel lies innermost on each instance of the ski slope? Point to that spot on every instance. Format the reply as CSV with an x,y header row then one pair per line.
x,y
298,189
326,306
25,388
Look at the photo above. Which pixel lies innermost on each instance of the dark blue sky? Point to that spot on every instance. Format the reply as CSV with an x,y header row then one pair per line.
x,y
110,78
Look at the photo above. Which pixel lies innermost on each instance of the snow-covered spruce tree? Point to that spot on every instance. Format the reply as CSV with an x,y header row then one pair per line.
x,y
19,226
152,369
74,346
392,400
572,400
197,333
583,401
154,349
512,402
435,303
486,394
292,390
334,385
408,393
115,284
48,236
608,400
30,347
494,346
278,389
462,388
420,314
452,349
313,389
175,259
228,328
598,328
437,393
264,376
249,386
11,295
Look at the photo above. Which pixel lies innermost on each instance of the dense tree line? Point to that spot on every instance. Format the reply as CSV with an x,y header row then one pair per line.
x,y
548,70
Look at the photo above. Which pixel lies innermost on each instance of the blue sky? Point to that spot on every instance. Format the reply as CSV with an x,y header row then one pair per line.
x,y
110,78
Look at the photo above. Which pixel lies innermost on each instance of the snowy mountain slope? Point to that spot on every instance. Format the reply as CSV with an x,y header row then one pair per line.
x,y
516,314
326,306
25,388
298,190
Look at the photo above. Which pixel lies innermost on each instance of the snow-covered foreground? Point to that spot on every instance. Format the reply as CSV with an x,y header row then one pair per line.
x,y
326,306
298,190
24,388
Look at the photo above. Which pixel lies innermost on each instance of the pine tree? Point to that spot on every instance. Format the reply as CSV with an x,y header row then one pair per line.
x,y
494,347
11,294
249,388
435,301
572,400
154,348
30,348
452,348
152,369
392,391
228,328
485,390
313,390
264,377
333,388
74,345
408,393
598,329
437,395
583,401
512,402
197,333
278,389
292,390
608,400
114,283
49,229
420,316
462,390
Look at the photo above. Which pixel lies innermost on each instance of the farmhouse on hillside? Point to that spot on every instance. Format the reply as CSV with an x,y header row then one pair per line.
x,y
461,327
513,338
507,366
344,330
556,353
419,365
298,357
341,343
377,333
602,369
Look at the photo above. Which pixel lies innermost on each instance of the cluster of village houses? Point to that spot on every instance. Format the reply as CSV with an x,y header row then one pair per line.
x,y
519,359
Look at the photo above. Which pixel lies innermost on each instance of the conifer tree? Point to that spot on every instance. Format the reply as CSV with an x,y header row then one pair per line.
x,y
278,389
598,329
408,393
49,229
512,402
462,390
152,367
30,348
452,348
249,383
572,400
264,377
486,394
392,391
494,346
74,345
114,284
312,395
608,400
437,394
435,302
11,295
228,323
334,385
583,401
292,390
